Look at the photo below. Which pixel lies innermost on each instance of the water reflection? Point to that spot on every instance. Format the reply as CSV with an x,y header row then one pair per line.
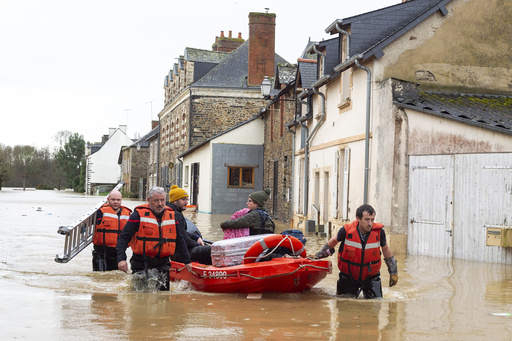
x,y
435,299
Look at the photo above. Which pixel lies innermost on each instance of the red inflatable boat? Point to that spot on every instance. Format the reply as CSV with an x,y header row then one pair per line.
x,y
291,273
278,275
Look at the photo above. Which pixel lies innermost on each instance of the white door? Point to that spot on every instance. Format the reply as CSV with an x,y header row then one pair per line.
x,y
431,205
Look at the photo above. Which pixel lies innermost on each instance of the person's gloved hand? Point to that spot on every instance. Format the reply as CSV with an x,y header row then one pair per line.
x,y
393,270
326,251
393,280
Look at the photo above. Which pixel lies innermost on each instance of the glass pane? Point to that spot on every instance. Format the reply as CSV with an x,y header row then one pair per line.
x,y
234,177
247,178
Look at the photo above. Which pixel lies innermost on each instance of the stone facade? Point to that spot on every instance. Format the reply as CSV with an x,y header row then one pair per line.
x,y
133,168
278,153
196,119
202,98
152,162
138,168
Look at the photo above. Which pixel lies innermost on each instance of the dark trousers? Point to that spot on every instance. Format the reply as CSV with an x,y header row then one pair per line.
x,y
349,287
200,254
139,264
104,258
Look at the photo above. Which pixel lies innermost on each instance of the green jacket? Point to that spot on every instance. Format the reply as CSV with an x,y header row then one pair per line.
x,y
258,221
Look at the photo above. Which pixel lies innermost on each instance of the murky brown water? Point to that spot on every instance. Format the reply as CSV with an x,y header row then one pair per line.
x,y
436,299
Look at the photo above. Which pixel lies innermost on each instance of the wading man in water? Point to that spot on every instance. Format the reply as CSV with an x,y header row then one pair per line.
x,y
155,238
178,200
110,221
359,256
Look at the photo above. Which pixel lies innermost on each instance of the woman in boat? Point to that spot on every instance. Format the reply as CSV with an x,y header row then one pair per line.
x,y
257,219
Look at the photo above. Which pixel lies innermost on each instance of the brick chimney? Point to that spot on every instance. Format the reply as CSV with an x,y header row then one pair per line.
x,y
154,124
262,29
227,44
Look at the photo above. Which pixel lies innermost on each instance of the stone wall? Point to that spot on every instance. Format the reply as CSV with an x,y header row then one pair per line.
x,y
139,164
187,125
278,152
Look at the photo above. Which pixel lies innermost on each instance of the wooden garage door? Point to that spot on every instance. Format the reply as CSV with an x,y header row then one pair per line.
x,y
430,208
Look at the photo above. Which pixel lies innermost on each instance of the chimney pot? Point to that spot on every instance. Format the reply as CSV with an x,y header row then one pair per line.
x,y
230,33
222,34
239,35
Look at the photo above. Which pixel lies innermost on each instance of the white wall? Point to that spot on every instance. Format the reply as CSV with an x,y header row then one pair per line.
x,y
104,167
251,133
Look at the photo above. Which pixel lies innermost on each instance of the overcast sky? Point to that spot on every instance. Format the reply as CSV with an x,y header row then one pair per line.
x,y
87,66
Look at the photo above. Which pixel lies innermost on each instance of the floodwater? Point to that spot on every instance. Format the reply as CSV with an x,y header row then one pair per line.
x,y
435,299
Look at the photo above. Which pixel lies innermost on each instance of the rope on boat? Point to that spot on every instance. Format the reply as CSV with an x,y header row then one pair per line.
x,y
275,248
301,266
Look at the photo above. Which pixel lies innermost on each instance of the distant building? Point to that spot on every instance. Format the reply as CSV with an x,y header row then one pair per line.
x,y
102,169
134,164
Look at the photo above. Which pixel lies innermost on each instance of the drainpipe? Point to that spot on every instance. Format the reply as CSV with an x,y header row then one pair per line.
x,y
323,59
293,169
367,132
310,137
306,154
338,28
179,174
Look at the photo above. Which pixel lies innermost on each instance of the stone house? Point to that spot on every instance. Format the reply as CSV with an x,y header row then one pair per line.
x,y
410,110
152,162
279,115
133,160
209,92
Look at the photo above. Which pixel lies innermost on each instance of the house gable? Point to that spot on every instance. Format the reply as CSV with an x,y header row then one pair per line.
x,y
466,51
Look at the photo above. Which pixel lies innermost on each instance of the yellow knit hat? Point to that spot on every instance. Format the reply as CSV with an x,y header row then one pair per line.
x,y
177,193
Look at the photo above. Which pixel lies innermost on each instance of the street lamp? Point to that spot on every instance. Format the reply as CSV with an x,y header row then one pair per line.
x,y
265,87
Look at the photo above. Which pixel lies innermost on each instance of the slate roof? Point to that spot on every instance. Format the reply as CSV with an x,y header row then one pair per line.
x,y
198,55
486,111
143,141
307,54
307,73
232,71
332,54
372,31
95,147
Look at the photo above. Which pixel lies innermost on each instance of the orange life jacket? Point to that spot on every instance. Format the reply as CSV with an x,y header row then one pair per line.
x,y
357,259
155,238
107,232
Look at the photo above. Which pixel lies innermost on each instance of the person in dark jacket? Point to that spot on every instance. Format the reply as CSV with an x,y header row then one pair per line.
x,y
257,219
178,200
153,237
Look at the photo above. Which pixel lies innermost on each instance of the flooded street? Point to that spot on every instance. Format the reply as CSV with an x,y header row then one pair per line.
x,y
435,299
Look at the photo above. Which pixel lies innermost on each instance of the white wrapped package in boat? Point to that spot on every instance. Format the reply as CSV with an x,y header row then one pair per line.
x,y
229,252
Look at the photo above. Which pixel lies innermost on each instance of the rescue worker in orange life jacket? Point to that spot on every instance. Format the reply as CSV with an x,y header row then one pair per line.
x,y
155,238
359,256
110,220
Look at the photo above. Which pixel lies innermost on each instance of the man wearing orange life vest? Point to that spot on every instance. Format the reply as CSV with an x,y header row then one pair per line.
x,y
110,221
359,256
152,231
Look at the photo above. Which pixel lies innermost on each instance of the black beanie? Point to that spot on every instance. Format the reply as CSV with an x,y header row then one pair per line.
x,y
260,197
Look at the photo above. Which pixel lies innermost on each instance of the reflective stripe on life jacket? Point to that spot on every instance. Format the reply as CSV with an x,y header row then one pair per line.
x,y
358,259
111,225
155,238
